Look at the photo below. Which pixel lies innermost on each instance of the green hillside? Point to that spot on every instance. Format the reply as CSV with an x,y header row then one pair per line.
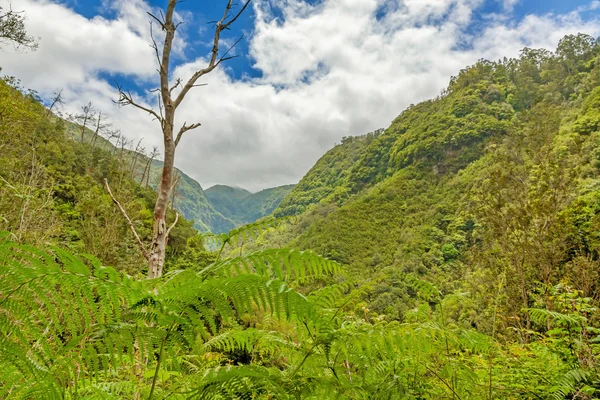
x,y
244,207
493,183
52,187
328,177
227,200
189,198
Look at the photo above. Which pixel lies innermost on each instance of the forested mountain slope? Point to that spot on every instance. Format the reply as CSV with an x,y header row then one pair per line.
x,y
495,183
191,200
52,188
328,177
244,207
188,196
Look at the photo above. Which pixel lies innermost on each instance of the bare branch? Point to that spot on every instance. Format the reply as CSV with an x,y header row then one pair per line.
x,y
175,182
175,86
231,21
154,45
215,61
184,129
224,56
126,99
161,23
137,237
173,224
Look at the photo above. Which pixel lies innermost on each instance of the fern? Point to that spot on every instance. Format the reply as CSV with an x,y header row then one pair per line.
x,y
72,327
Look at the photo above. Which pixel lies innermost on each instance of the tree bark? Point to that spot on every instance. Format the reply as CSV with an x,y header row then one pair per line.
x,y
158,248
166,117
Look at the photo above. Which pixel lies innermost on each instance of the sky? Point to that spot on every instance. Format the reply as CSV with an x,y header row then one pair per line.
x,y
308,72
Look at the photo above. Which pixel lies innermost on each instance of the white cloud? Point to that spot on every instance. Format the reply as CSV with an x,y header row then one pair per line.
x,y
509,4
337,68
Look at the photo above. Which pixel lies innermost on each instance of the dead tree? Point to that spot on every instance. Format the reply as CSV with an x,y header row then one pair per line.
x,y
101,125
87,116
56,104
171,96
139,149
113,134
148,168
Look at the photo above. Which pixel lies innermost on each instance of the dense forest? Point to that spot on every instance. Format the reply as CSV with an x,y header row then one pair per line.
x,y
453,255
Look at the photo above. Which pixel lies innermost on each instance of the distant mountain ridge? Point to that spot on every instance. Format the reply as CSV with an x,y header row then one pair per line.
x,y
244,207
225,208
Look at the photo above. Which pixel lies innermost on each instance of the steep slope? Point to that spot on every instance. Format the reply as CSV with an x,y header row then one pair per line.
x,y
244,207
226,199
189,197
493,184
263,203
52,188
328,177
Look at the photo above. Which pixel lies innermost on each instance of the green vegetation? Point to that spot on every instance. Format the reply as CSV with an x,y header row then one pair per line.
x,y
192,201
461,249
51,187
244,207
326,180
496,179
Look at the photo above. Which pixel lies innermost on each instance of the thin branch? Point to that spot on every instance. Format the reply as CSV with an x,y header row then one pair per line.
x,y
175,182
173,224
224,56
184,129
161,23
126,99
175,86
221,25
155,46
137,237
231,21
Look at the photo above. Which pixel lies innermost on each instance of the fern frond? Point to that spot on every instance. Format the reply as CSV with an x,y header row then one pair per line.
x,y
239,382
240,235
283,264
54,315
543,316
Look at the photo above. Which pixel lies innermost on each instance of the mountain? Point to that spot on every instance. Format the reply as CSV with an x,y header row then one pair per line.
x,y
218,209
52,187
191,200
492,187
189,197
244,207
326,178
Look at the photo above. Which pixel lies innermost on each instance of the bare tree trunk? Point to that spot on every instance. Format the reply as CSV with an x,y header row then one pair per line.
x,y
148,166
168,103
100,126
136,154
156,261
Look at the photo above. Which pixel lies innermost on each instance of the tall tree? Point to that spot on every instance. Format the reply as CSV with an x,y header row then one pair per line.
x,y
171,96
